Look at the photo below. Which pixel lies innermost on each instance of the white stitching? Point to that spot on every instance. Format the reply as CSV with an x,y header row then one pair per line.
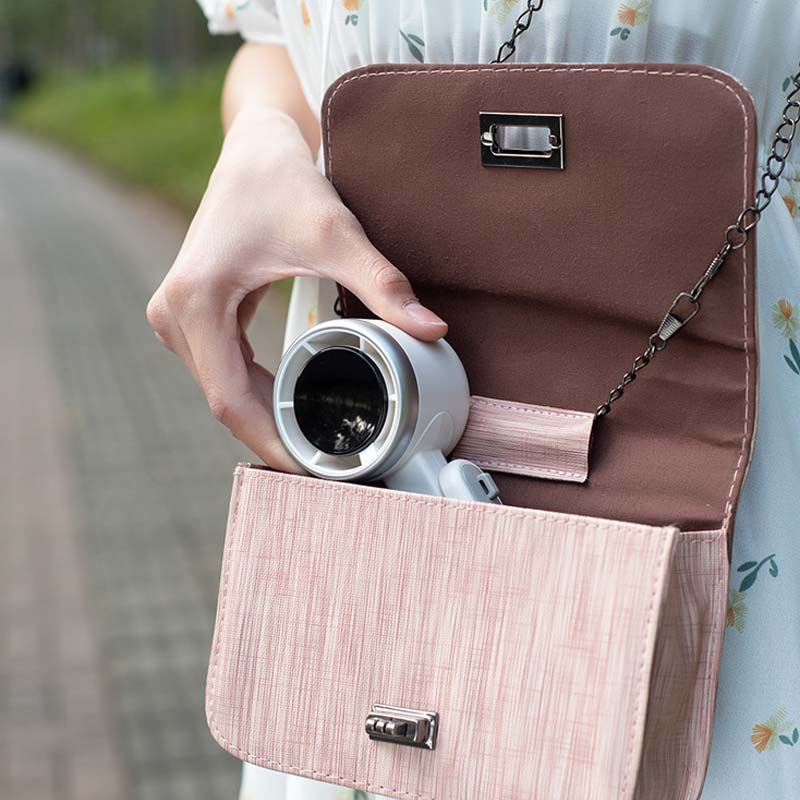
x,y
219,628
525,408
525,469
640,687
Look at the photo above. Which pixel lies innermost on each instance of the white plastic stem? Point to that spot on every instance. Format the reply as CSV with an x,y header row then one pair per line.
x,y
419,474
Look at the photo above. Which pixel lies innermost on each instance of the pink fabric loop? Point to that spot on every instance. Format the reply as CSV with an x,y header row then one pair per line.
x,y
522,439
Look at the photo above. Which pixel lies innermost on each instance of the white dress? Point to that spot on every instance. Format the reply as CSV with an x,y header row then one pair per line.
x,y
756,746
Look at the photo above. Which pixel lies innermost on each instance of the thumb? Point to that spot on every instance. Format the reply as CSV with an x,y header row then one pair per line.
x,y
386,292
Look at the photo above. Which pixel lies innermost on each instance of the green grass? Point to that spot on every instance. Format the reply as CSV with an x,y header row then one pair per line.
x,y
163,140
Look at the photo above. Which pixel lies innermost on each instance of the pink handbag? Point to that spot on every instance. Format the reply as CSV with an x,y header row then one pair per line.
x,y
565,645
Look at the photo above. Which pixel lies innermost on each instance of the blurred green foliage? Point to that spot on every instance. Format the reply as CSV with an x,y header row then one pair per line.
x,y
132,84
169,34
165,139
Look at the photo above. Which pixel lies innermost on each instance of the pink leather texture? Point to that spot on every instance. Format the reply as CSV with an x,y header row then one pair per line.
x,y
683,683
523,439
567,656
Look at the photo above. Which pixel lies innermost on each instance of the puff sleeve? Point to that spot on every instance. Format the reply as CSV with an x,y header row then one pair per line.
x,y
255,20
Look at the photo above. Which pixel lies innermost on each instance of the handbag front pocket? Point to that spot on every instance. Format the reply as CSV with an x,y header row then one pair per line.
x,y
531,634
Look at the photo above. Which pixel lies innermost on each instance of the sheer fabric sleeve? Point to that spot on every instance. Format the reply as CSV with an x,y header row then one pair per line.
x,y
255,20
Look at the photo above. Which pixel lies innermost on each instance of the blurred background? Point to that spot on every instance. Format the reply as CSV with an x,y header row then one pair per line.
x,y
114,478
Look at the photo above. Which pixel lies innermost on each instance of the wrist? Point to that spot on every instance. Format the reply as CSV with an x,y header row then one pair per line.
x,y
266,127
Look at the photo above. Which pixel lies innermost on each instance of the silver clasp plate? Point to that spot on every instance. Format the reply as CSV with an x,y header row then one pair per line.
x,y
506,140
402,726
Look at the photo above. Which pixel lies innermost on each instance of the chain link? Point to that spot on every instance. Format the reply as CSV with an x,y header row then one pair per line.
x,y
687,304
508,48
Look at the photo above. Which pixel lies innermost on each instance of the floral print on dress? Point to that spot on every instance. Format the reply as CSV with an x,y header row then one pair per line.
x,y
792,199
786,320
305,17
352,7
767,735
231,8
752,568
415,44
500,9
737,610
737,598
630,14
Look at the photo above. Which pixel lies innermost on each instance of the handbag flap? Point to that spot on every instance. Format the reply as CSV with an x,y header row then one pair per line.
x,y
553,280
531,634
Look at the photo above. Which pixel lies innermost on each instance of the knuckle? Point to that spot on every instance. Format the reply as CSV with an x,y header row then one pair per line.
x,y
385,276
333,221
179,292
229,409
223,409
158,314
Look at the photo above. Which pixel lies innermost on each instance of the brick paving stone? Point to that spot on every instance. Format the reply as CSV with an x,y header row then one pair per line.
x,y
113,494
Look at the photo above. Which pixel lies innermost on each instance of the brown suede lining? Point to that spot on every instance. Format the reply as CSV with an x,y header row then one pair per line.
x,y
552,281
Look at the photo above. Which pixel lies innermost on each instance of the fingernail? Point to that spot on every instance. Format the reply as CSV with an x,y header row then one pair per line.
x,y
423,315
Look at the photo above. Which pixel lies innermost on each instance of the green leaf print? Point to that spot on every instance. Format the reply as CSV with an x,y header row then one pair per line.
x,y
795,352
736,612
412,41
748,581
786,320
753,567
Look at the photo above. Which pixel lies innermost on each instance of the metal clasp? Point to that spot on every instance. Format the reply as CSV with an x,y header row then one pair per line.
x,y
496,125
407,726
684,308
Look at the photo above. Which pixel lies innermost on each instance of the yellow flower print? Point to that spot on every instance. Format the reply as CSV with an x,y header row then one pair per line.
x,y
766,735
304,15
500,9
792,199
232,7
761,737
737,610
633,13
785,318
352,7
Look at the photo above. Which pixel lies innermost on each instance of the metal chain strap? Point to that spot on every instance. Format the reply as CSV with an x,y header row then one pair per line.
x,y
686,305
507,49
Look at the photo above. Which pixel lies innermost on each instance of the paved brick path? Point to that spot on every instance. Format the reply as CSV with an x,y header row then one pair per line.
x,y
113,492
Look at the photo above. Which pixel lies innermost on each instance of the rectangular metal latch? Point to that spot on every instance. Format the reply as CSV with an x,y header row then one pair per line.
x,y
402,726
522,140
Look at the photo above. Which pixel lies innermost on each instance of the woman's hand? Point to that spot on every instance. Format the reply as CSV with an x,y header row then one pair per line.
x,y
267,214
